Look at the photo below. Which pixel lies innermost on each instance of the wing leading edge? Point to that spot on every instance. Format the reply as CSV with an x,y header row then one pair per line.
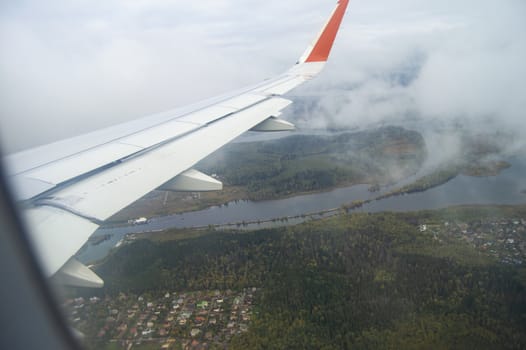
x,y
70,187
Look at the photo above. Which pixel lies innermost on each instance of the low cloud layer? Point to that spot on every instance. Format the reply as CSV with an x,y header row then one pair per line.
x,y
70,67
426,59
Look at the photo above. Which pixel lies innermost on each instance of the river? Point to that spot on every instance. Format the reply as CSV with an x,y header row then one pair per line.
x,y
504,188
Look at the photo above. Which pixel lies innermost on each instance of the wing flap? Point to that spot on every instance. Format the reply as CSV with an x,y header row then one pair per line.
x,y
56,235
68,168
75,274
243,101
158,134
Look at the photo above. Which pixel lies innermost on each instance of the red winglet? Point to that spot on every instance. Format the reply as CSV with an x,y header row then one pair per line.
x,y
322,48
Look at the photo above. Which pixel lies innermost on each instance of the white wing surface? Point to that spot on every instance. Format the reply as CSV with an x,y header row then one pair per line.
x,y
68,188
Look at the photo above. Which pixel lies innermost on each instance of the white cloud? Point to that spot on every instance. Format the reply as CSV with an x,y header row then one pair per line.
x,y
67,67
428,59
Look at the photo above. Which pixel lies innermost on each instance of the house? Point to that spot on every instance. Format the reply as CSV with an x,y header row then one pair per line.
x,y
140,221
133,332
202,304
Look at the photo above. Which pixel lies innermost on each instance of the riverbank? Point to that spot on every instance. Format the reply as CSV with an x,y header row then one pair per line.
x,y
459,212
160,203
475,168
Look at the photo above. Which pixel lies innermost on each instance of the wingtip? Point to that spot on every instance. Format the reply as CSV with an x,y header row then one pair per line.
x,y
322,47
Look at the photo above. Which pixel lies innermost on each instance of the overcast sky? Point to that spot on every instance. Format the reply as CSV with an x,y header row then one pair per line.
x,y
67,67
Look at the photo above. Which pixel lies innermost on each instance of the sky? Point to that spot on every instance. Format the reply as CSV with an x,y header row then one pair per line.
x,y
68,67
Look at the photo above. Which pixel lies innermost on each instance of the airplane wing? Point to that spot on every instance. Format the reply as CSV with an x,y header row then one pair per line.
x,y
68,188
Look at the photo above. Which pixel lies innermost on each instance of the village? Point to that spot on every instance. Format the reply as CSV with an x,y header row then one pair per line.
x,y
191,320
503,239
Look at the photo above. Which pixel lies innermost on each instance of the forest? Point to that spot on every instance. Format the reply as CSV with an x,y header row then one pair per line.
x,y
304,163
364,281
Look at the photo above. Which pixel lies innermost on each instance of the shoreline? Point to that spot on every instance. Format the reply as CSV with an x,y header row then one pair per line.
x,y
196,231
413,187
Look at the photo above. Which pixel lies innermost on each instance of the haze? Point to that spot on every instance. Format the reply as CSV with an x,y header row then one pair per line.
x,y
71,67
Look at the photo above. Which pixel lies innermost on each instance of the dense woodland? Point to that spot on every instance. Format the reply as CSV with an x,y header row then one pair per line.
x,y
355,281
303,163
